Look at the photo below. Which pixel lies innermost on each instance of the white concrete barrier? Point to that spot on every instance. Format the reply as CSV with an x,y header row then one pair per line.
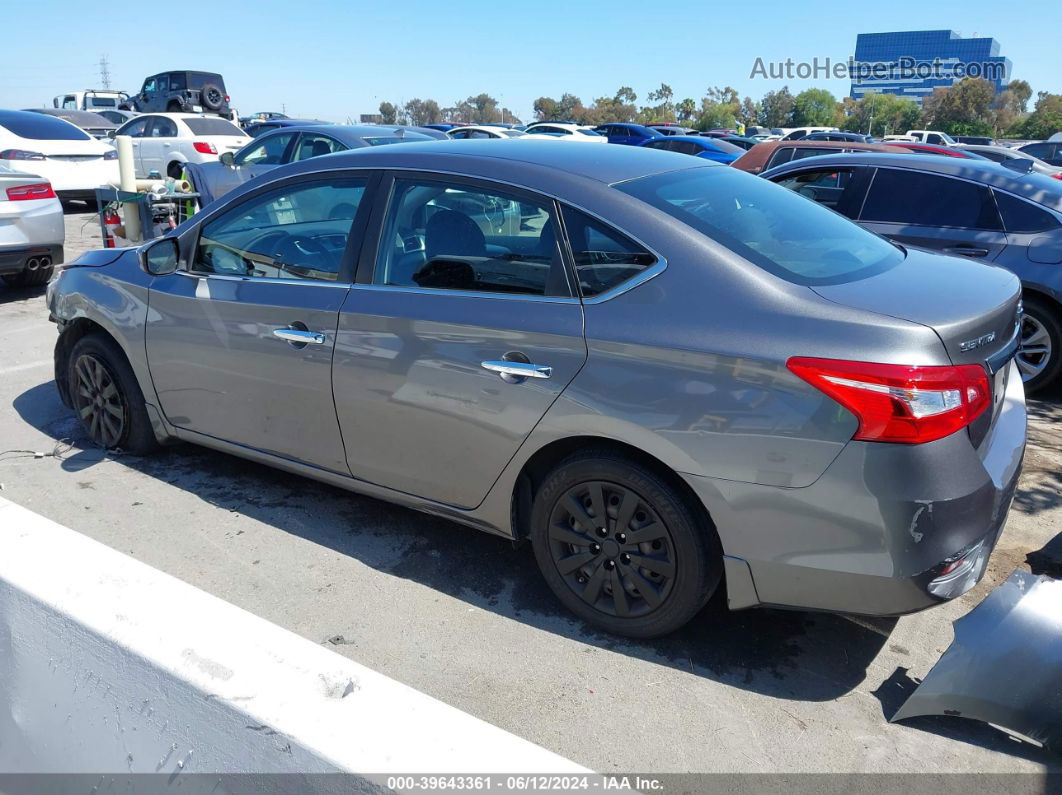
x,y
110,666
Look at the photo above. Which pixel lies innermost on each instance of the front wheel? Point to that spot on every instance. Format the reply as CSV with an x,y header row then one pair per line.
x,y
622,547
1039,355
107,397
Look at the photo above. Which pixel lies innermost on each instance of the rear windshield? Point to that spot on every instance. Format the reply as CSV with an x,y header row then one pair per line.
x,y
725,146
781,231
41,127
205,126
199,79
102,102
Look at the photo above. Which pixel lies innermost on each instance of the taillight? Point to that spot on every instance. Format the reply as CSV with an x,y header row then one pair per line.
x,y
226,97
39,190
1057,175
20,154
906,404
205,147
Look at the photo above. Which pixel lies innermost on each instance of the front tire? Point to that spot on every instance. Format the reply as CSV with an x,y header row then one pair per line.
x,y
1039,356
621,546
107,397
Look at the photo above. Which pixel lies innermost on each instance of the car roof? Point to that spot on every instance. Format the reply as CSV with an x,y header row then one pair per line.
x,y
697,139
351,132
543,160
984,171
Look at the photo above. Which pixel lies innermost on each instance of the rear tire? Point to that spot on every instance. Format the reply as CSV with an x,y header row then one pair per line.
x,y
621,546
107,397
1040,355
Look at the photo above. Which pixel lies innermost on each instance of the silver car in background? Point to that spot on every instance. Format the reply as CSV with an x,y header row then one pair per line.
x,y
667,374
32,229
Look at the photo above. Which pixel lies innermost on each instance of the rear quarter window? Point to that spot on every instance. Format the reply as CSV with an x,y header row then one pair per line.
x,y
921,199
1022,216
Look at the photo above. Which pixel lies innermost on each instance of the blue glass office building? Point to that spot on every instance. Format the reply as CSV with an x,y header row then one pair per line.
x,y
912,63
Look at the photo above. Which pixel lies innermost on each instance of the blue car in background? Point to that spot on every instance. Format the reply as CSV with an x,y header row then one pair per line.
x,y
626,133
708,148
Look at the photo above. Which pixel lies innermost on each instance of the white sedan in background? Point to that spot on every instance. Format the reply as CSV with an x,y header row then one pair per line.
x,y
70,159
567,132
164,142
488,131
32,230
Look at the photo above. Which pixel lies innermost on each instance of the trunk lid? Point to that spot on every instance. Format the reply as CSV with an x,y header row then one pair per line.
x,y
972,306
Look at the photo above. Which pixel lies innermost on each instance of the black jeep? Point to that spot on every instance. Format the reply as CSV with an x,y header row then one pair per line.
x,y
182,92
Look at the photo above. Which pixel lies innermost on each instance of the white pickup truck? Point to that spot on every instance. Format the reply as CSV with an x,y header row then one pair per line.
x,y
91,99
932,137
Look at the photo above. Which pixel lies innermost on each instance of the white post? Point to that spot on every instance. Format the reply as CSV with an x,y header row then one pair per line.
x,y
127,182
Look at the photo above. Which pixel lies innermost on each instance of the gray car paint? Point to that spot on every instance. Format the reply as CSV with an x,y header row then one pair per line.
x,y
807,517
1005,664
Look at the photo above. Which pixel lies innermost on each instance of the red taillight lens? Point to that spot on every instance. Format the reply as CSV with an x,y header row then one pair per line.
x,y
906,404
20,154
40,190
1058,175
205,147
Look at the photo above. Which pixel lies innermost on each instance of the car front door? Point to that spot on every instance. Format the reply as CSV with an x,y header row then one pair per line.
x,y
158,145
135,129
934,211
240,341
460,334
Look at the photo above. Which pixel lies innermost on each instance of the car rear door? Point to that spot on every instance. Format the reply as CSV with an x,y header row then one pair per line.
x,y
935,211
136,130
158,145
460,334
240,341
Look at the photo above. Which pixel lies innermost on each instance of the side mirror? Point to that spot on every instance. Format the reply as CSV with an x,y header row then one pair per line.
x,y
159,257
111,134
227,159
1022,165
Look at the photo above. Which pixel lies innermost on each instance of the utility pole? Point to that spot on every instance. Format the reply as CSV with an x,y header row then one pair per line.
x,y
105,72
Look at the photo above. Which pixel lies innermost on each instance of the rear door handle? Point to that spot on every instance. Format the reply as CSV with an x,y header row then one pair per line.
x,y
967,251
297,336
517,369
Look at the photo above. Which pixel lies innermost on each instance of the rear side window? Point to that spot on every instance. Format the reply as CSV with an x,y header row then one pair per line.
x,y
1022,216
825,186
41,127
912,197
1041,151
795,239
810,151
207,126
604,258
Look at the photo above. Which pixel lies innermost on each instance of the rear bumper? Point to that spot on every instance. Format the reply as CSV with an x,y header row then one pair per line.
x,y
872,535
16,260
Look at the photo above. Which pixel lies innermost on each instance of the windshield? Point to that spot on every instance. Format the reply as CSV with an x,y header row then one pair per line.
x,y
511,133
205,126
780,231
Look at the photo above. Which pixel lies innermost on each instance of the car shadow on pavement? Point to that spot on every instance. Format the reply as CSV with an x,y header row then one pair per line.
x,y
11,295
785,654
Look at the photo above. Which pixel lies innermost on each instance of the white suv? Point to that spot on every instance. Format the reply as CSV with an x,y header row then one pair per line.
x,y
164,142
932,137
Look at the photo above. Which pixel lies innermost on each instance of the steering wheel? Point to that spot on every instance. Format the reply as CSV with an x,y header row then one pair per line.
x,y
495,212
299,250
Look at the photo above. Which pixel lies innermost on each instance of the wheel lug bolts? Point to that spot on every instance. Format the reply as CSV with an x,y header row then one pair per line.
x,y
610,565
595,547
602,532
625,558
621,537
581,579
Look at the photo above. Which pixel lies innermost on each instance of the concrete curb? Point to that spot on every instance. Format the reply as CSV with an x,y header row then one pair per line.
x,y
110,666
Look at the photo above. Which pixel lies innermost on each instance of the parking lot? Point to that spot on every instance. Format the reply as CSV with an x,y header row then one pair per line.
x,y
466,618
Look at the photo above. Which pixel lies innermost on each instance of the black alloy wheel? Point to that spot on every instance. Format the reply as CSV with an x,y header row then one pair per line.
x,y
99,402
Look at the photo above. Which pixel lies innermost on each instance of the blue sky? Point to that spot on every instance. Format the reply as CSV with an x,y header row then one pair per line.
x,y
330,60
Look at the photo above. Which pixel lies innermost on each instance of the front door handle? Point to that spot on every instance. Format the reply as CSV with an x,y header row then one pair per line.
x,y
299,336
967,251
517,369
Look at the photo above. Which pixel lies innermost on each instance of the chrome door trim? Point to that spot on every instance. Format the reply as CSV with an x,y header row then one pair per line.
x,y
548,299
222,277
